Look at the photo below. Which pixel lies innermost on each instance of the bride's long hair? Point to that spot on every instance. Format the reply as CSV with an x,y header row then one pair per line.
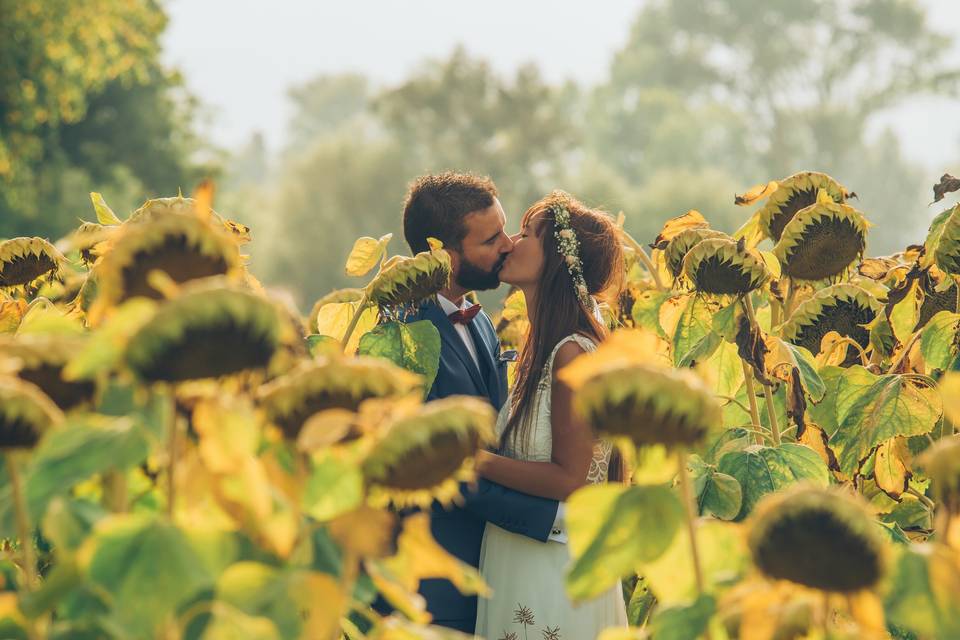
x,y
559,311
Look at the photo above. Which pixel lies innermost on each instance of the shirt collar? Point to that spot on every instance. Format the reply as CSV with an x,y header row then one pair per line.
x,y
449,307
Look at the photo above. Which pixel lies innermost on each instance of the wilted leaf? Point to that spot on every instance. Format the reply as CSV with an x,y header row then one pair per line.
x,y
646,310
365,255
692,219
752,348
757,192
891,467
947,184
814,437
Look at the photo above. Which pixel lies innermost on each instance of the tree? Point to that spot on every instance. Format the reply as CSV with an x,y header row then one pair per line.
x,y
85,104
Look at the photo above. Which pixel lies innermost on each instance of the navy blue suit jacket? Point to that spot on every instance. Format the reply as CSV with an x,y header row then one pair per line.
x,y
459,529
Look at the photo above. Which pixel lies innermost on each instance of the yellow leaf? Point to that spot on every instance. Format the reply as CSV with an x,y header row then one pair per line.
x,y
11,312
755,193
876,268
325,428
816,438
692,219
631,633
771,262
833,349
892,466
670,312
866,609
228,433
334,318
434,244
365,532
903,317
105,214
322,603
750,231
203,199
419,556
365,255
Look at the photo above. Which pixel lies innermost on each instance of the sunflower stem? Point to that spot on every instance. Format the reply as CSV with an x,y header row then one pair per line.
x,y
354,320
115,491
924,500
691,517
644,258
751,397
171,454
788,299
28,559
767,393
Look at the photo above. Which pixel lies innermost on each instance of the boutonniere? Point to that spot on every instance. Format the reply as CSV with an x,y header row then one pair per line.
x,y
509,355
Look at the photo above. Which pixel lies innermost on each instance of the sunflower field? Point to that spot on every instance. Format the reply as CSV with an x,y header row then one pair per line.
x,y
185,455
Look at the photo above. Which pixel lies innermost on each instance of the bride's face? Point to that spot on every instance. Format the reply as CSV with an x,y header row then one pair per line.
x,y
524,264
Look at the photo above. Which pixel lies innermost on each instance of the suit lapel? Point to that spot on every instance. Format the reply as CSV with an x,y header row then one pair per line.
x,y
485,340
451,340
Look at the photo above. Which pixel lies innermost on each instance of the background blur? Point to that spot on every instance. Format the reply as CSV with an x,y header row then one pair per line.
x,y
314,116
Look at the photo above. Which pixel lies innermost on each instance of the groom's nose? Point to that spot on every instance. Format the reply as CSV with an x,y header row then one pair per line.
x,y
506,244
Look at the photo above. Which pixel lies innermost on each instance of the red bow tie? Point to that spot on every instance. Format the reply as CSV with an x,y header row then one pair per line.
x,y
463,316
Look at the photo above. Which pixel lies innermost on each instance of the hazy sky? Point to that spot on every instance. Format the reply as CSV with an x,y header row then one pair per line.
x,y
240,56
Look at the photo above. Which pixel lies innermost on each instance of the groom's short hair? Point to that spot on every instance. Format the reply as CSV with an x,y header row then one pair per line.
x,y
437,204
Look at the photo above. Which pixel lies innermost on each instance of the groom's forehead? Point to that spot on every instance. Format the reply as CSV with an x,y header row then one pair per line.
x,y
486,222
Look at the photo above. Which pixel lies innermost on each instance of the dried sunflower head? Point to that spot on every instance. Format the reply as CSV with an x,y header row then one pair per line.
x,y
25,260
404,280
819,538
209,330
159,208
40,361
184,247
322,384
681,243
720,266
648,404
843,308
797,192
941,462
947,253
822,240
424,456
25,414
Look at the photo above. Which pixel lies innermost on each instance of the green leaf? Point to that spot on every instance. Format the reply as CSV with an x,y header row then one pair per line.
x,y
692,329
726,366
72,454
724,322
104,350
762,470
603,522
335,486
938,340
69,521
716,493
894,405
824,413
147,567
61,580
646,310
228,623
414,346
105,214
811,381
684,622
319,345
641,603
365,255
924,593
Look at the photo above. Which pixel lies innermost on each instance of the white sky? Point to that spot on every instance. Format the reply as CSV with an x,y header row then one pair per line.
x,y
240,56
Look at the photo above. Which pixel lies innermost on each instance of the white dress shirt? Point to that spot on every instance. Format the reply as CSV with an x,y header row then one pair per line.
x,y
557,531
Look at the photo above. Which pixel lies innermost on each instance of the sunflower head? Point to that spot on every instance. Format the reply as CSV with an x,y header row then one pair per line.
x,y
844,308
185,247
159,208
85,238
721,266
26,260
680,244
40,361
822,240
648,404
797,192
947,254
424,456
404,280
819,538
25,414
209,330
338,383
941,462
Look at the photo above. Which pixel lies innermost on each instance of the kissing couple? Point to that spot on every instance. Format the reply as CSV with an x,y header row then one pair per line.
x,y
511,525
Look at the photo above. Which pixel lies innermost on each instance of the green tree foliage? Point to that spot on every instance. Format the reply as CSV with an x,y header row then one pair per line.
x,y
84,102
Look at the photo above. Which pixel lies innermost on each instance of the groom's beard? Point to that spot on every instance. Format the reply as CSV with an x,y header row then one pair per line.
x,y
473,278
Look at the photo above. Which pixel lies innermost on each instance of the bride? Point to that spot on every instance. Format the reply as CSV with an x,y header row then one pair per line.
x,y
564,254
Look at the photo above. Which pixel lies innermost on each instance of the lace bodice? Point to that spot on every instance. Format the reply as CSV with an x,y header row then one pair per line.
x,y
540,445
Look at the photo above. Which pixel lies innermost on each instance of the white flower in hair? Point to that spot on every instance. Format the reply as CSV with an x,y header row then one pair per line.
x,y
571,261
567,234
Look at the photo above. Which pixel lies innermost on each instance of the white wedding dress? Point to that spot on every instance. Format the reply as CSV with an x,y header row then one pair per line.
x,y
527,577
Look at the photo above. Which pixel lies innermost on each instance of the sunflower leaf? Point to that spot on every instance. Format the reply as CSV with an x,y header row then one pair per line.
x,y
414,346
365,255
105,214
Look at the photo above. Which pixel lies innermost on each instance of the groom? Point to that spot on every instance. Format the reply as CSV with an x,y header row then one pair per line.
x,y
463,212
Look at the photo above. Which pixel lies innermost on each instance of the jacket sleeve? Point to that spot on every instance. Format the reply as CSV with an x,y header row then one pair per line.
x,y
517,512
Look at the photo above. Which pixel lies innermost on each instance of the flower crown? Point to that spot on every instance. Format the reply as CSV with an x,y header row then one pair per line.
x,y
569,247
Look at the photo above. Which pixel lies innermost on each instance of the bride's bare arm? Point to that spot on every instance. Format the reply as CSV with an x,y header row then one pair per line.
x,y
572,447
